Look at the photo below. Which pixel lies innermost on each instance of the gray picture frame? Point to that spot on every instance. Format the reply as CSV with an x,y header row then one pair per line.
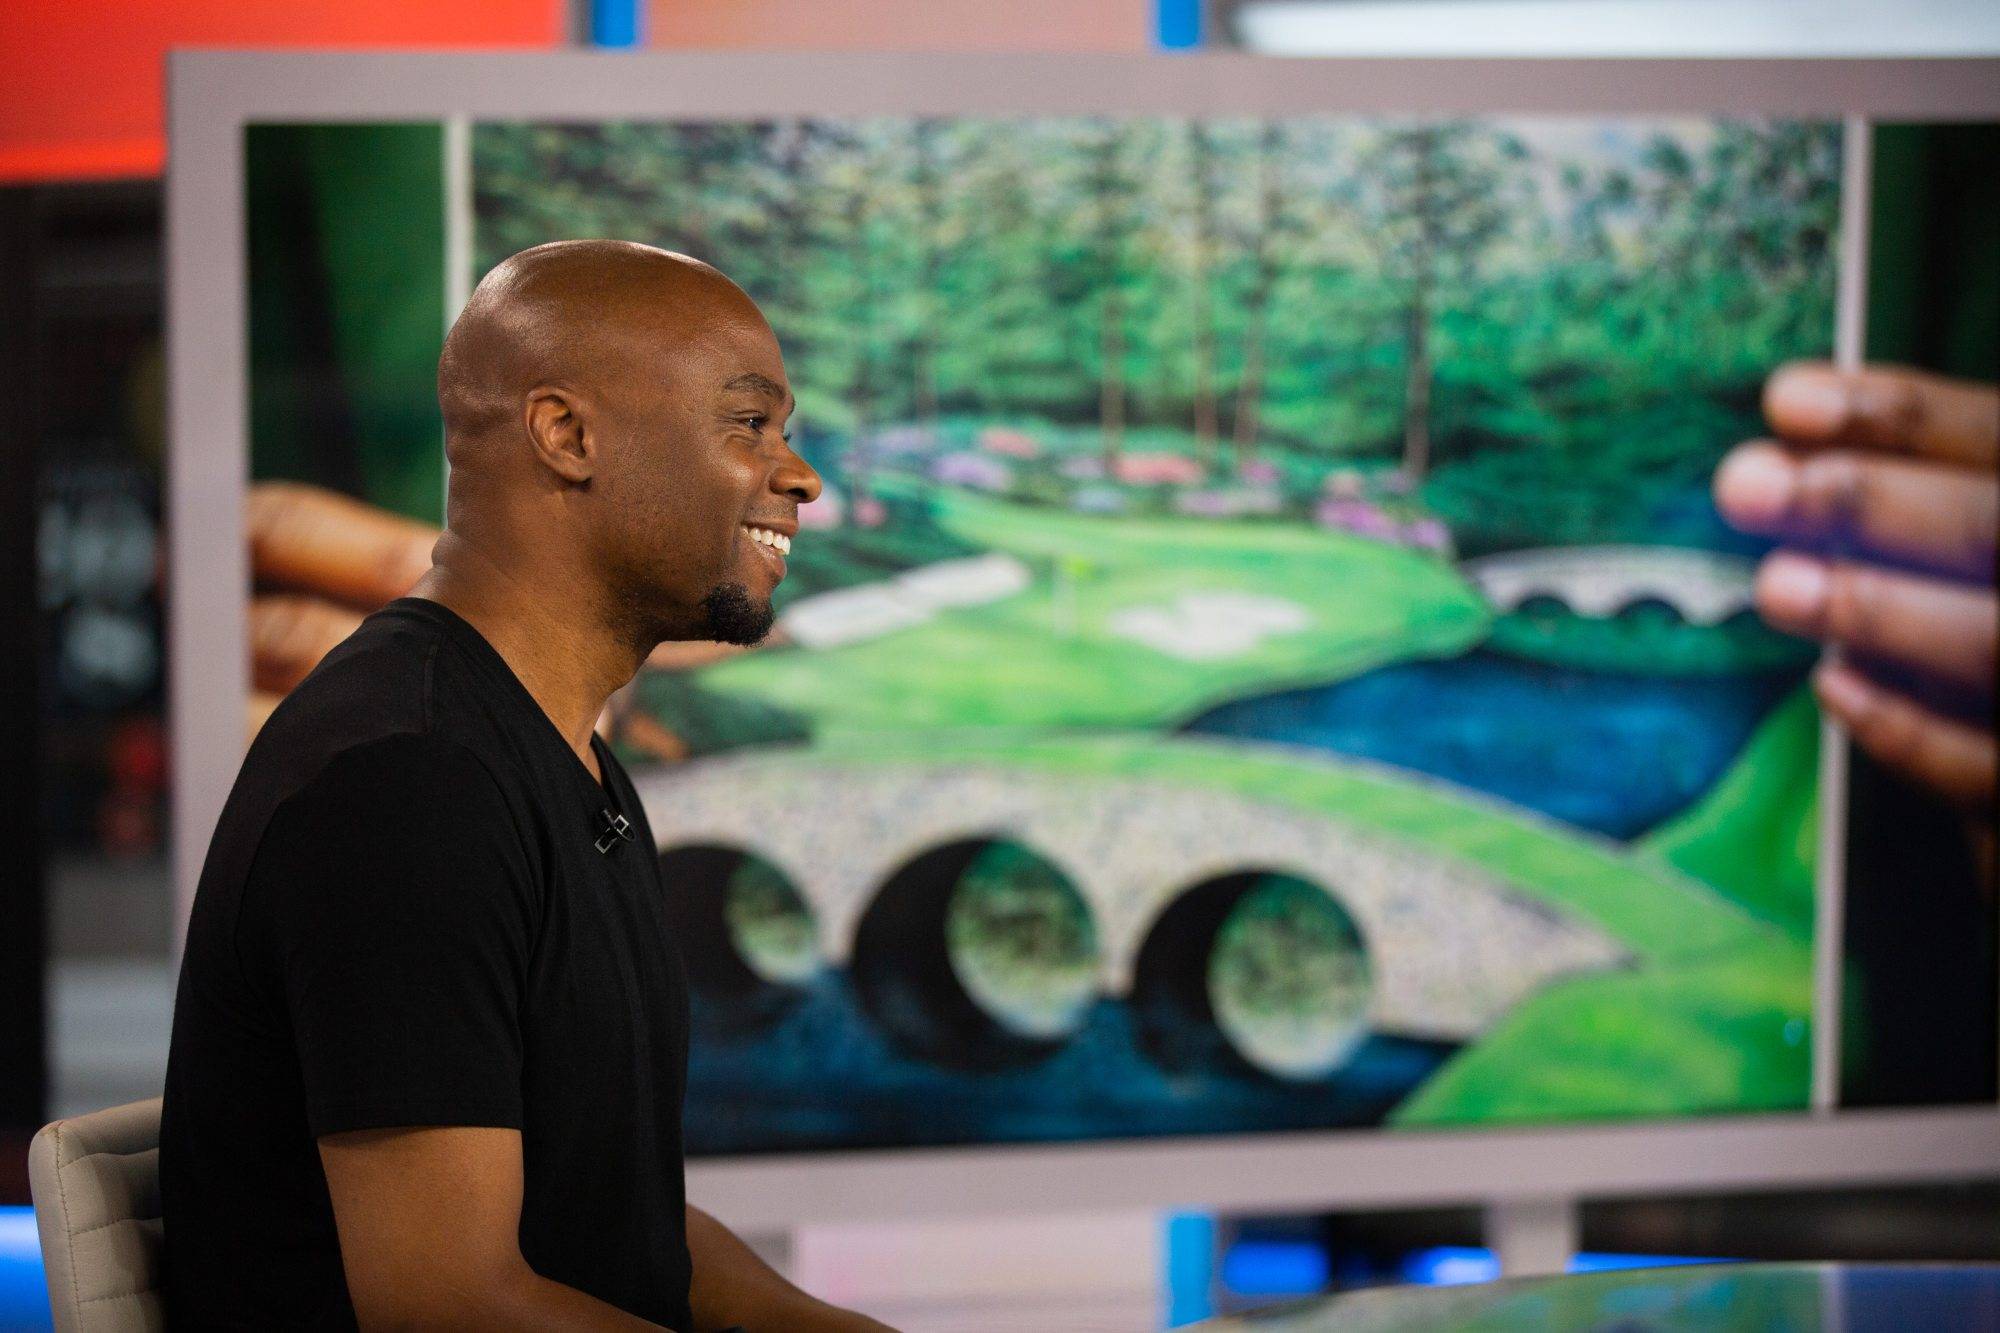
x,y
213,95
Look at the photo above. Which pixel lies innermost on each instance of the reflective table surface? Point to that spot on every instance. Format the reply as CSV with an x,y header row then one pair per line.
x,y
1767,1298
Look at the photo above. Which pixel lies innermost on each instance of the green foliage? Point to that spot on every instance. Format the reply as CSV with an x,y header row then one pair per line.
x,y
1021,941
769,923
1753,835
1596,304
710,722
1648,638
345,329
1289,979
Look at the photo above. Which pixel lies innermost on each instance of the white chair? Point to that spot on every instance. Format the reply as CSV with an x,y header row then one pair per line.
x,y
96,1184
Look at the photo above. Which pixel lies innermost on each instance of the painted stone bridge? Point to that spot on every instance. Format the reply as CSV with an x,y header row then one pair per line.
x,y
1706,587
1451,946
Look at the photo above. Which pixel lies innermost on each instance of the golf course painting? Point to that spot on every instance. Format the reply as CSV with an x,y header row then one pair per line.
x,y
1264,657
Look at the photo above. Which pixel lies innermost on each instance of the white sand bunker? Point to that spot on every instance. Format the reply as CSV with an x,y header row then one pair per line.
x,y
1207,626
852,615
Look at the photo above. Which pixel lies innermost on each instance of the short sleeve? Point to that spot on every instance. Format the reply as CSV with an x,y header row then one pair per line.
x,y
403,912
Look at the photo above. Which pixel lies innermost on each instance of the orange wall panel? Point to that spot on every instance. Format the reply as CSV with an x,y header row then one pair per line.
x,y
82,83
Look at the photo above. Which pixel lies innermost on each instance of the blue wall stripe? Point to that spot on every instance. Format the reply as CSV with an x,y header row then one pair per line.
x,y
24,1295
1189,1270
615,24
1177,24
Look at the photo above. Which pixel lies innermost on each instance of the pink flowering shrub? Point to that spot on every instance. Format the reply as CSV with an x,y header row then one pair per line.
x,y
1158,469
976,472
1009,443
1364,518
1428,534
1357,517
903,440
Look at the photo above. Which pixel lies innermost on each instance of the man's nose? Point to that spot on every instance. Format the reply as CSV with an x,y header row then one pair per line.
x,y
795,477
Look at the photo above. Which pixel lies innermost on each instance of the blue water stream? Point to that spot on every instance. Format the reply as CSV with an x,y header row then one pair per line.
x,y
1611,752
824,1076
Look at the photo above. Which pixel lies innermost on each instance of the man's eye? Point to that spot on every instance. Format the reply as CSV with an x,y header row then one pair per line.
x,y
756,424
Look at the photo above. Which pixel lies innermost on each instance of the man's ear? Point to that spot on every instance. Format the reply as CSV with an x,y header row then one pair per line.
x,y
557,434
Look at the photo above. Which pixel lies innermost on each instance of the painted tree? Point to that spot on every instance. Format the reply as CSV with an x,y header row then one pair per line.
x,y
1264,243
1201,264
1112,188
1431,199
783,235
927,298
1358,284
851,170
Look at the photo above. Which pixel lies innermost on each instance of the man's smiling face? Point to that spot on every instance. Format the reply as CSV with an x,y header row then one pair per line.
x,y
701,482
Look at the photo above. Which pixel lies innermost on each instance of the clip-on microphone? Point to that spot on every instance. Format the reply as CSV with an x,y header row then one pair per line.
x,y
617,828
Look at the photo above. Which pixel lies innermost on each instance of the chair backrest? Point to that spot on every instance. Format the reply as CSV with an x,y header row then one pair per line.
x,y
96,1183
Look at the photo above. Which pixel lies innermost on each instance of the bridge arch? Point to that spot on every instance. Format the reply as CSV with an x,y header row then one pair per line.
x,y
1702,587
748,936
1451,945
924,969
1303,1010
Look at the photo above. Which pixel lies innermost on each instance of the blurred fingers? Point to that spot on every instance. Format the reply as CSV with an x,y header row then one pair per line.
x,y
1948,756
1887,408
688,654
289,634
315,540
1944,629
1920,513
652,738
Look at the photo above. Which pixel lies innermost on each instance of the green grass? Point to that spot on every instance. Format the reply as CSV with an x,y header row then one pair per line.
x,y
1726,1034
1753,835
1047,657
709,722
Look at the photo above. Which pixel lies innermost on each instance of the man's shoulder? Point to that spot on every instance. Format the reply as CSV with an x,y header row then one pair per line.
x,y
326,805
376,681
394,691
373,725
397,766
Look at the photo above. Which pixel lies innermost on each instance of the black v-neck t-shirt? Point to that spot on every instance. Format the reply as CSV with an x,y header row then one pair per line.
x,y
405,919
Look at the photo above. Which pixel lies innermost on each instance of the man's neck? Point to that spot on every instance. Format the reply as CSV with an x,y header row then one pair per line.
x,y
558,646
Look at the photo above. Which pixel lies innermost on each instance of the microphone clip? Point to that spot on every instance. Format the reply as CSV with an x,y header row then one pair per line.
x,y
617,829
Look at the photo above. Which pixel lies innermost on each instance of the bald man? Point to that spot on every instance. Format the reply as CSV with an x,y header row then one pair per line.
x,y
430,1043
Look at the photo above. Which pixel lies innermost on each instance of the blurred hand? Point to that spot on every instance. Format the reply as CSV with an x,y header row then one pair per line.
x,y
319,562
1881,490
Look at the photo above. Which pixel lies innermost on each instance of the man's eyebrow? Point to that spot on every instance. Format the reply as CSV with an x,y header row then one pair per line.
x,y
755,383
